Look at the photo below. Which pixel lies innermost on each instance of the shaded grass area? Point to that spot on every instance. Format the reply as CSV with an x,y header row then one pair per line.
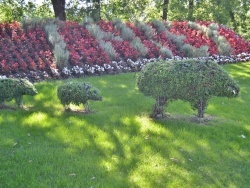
x,y
119,145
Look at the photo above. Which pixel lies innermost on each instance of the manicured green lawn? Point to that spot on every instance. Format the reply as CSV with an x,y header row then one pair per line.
x,y
119,145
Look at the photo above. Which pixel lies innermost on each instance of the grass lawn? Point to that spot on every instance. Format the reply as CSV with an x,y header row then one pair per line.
x,y
119,145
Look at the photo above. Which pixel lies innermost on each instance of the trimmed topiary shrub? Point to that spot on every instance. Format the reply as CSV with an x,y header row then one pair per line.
x,y
15,89
193,81
77,93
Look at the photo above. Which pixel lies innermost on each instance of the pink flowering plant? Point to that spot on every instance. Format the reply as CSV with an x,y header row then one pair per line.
x,y
23,52
84,49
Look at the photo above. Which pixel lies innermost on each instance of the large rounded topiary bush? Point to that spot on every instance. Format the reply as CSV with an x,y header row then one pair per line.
x,y
194,81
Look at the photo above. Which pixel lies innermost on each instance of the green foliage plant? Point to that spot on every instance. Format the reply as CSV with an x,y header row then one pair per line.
x,y
137,44
87,20
147,30
11,88
77,93
158,25
50,26
191,51
60,51
107,46
188,50
165,52
194,81
32,23
125,32
211,31
99,34
224,46
214,26
104,39
128,35
178,40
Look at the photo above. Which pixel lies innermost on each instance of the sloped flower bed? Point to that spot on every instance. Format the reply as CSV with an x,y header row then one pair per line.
x,y
29,54
123,48
153,50
166,42
238,44
84,49
194,37
24,53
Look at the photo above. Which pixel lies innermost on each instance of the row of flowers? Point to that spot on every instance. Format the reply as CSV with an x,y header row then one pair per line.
x,y
122,47
116,67
129,65
194,37
84,49
238,44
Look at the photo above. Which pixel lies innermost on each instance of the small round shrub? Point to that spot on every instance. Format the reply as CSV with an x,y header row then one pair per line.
x,y
11,88
77,93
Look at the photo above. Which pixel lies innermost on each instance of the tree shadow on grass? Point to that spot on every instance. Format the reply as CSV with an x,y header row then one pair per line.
x,y
119,146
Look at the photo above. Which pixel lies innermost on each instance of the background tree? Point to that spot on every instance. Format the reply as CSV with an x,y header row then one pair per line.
x,y
165,9
235,14
191,10
59,9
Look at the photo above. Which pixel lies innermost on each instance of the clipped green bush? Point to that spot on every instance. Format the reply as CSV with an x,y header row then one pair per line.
x,y
11,88
77,93
193,81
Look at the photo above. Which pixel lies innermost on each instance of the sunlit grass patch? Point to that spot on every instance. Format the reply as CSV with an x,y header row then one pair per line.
x,y
120,145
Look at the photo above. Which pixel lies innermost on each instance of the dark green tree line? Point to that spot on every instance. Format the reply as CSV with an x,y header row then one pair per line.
x,y
234,13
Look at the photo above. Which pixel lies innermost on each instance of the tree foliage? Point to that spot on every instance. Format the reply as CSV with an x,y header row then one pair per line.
x,y
234,13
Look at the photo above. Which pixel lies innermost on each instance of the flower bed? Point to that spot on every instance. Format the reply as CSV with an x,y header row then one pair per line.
x,y
238,44
84,49
122,47
194,37
29,54
153,50
23,52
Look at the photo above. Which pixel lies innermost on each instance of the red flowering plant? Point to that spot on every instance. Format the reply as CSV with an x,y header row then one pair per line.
x,y
194,37
108,27
84,49
238,43
163,39
123,48
5,68
40,49
153,50
23,51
